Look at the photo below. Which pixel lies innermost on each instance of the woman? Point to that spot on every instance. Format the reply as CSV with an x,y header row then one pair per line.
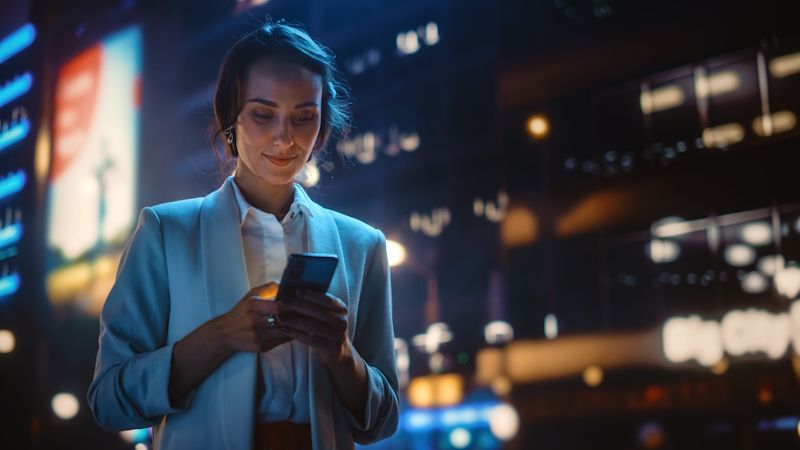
x,y
184,351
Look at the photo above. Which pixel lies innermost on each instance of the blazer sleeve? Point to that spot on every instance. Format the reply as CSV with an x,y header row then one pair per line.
x,y
131,377
374,341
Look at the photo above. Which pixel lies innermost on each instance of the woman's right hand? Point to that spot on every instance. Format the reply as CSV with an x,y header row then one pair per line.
x,y
244,328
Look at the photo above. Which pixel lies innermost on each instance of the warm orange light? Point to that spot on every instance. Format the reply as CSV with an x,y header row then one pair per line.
x,y
765,396
723,135
596,211
778,122
661,99
269,292
593,376
436,390
420,393
654,395
720,367
785,65
489,364
520,360
538,126
501,386
94,278
449,389
520,227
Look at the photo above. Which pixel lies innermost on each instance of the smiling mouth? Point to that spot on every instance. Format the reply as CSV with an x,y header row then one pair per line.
x,y
278,161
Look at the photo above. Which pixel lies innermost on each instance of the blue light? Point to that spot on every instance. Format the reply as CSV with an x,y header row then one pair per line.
x,y
10,234
140,435
9,284
15,88
15,133
785,423
16,42
420,420
468,416
12,184
8,253
465,417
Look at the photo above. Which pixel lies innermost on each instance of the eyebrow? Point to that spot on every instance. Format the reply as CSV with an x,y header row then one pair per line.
x,y
275,105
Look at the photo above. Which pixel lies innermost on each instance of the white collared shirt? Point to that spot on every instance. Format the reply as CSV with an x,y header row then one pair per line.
x,y
282,393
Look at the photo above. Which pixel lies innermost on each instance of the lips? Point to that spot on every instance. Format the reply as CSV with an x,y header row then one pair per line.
x,y
280,161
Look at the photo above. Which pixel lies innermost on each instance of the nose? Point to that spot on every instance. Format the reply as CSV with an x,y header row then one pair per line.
x,y
282,136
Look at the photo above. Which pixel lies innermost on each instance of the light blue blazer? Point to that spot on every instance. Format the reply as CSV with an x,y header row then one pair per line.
x,y
183,266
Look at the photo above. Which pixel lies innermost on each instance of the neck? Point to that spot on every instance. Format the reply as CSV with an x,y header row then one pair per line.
x,y
270,198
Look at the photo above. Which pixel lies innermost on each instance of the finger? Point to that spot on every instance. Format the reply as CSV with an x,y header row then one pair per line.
x,y
335,323
324,300
264,308
265,291
308,325
311,326
299,336
334,318
272,334
318,342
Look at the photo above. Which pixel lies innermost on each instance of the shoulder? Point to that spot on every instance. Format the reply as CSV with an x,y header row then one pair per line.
x,y
355,231
180,212
167,219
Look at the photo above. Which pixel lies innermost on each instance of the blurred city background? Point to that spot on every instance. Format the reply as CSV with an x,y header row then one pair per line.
x,y
592,205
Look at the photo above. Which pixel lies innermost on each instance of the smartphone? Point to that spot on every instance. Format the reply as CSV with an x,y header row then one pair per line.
x,y
311,271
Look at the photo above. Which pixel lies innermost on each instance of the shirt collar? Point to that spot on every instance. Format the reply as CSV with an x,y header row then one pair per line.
x,y
300,203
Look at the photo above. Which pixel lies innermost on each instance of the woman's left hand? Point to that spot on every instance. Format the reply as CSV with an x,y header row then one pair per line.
x,y
319,321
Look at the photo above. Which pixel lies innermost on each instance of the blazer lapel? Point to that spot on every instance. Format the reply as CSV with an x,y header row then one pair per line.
x,y
323,237
226,281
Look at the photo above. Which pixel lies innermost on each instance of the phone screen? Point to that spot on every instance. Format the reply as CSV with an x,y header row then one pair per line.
x,y
312,271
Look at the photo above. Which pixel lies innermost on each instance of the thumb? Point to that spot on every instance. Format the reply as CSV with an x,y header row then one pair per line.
x,y
266,291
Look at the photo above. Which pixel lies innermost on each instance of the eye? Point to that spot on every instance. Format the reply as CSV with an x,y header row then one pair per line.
x,y
261,117
304,118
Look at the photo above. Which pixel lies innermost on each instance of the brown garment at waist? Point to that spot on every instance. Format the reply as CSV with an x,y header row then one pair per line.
x,y
282,436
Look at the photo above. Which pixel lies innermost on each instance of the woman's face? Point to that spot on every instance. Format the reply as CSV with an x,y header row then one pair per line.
x,y
279,122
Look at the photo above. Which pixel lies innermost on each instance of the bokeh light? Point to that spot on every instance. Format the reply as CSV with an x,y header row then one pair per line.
x,y
460,437
538,126
593,376
396,253
757,234
7,341
504,421
65,405
740,255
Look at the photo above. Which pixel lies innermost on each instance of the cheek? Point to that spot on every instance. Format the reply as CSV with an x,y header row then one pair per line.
x,y
252,134
307,134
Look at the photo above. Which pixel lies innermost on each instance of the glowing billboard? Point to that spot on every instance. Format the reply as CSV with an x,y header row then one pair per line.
x,y
92,186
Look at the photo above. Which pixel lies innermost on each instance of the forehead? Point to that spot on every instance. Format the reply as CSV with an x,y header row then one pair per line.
x,y
282,82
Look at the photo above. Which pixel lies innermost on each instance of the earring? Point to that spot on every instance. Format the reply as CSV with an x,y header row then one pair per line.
x,y
229,134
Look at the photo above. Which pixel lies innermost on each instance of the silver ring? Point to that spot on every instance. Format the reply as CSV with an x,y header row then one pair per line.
x,y
272,320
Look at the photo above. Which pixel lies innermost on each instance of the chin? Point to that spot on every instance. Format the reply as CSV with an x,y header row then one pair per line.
x,y
277,179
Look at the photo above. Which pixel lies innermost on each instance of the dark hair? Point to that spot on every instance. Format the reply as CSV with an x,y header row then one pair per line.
x,y
289,43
